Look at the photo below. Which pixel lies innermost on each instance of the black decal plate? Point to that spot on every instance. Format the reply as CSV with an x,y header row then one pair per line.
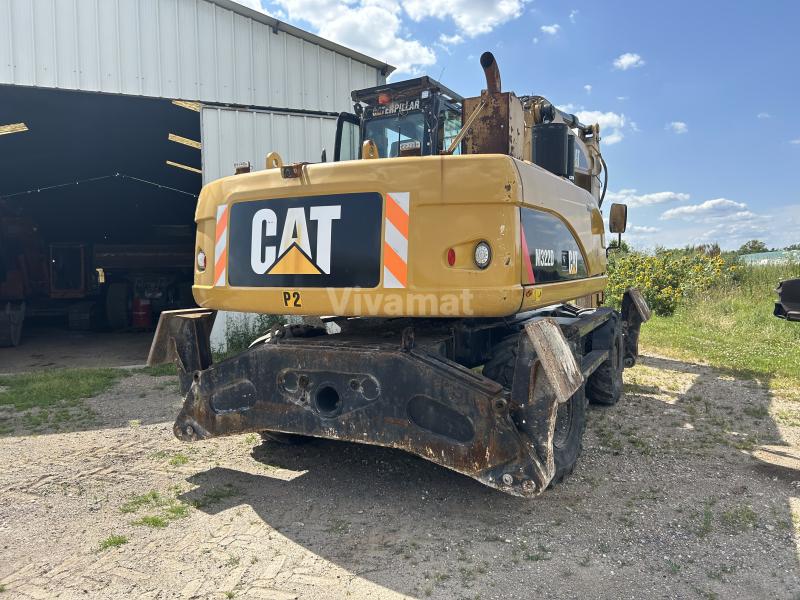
x,y
310,241
553,252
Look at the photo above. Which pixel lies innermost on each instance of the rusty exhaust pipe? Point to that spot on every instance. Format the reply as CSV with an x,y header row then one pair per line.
x,y
492,73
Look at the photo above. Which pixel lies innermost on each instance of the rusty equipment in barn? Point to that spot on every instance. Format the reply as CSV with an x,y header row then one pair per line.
x,y
460,247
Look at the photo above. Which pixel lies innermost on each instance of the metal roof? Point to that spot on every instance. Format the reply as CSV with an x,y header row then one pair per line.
x,y
277,25
211,51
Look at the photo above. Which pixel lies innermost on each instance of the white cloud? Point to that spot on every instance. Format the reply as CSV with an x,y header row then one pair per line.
x,y
355,24
677,127
629,60
472,17
588,88
607,121
535,40
622,98
763,115
796,142
450,40
642,229
254,4
572,14
550,29
632,199
709,209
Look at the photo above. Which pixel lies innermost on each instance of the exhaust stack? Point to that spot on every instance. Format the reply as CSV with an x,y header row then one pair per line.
x,y
492,73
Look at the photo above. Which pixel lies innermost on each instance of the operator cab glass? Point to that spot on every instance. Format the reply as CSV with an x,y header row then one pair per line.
x,y
396,135
418,117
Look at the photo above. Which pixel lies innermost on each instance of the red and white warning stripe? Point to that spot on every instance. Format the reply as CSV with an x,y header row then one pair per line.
x,y
221,245
395,246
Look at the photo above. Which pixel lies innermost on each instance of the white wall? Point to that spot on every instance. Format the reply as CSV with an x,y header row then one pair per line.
x,y
231,135
187,49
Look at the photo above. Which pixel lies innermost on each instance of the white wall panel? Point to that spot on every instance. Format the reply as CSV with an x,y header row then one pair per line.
x,y
230,136
190,49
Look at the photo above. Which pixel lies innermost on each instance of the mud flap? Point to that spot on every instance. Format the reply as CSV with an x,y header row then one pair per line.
x,y
634,312
545,375
183,337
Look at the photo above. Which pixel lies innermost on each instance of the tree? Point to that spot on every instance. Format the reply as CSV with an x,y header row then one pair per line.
x,y
624,248
752,247
793,247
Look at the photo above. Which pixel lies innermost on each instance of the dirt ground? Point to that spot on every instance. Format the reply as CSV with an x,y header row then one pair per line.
x,y
50,348
689,488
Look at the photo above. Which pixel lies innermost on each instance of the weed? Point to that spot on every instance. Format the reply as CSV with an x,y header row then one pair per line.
x,y
706,527
151,498
232,561
788,417
230,594
178,460
154,521
215,496
740,518
338,526
112,541
674,567
757,412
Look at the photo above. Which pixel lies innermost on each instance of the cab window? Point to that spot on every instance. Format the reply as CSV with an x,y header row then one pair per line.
x,y
449,126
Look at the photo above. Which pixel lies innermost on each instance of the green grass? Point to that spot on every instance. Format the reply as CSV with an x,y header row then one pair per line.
x,y
167,509
54,398
732,328
159,370
154,521
113,541
49,389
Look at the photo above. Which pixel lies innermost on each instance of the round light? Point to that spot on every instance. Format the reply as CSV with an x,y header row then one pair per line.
x,y
451,257
201,261
483,255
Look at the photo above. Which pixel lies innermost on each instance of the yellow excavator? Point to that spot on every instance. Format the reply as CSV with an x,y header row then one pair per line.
x,y
455,253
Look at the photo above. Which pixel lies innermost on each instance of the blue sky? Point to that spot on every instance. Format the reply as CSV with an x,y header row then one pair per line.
x,y
696,100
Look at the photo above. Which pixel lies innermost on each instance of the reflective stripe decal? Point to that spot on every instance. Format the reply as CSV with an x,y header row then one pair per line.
x,y
395,246
221,246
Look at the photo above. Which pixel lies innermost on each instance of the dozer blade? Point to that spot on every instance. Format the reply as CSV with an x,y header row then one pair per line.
x,y
388,394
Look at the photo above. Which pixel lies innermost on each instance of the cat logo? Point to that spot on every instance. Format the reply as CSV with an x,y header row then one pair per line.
x,y
293,255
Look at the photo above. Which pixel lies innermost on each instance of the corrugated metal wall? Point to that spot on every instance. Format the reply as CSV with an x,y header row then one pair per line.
x,y
231,136
189,49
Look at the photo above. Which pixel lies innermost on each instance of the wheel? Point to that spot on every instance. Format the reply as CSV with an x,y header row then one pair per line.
x,y
288,439
568,435
605,384
117,297
571,416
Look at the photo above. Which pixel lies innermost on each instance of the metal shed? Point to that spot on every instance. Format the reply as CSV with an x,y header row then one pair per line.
x,y
100,150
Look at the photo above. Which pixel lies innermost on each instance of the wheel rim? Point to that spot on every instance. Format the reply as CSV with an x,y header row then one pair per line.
x,y
563,424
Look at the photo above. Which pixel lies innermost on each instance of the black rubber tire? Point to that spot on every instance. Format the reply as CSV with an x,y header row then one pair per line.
x,y
117,313
287,439
605,384
568,445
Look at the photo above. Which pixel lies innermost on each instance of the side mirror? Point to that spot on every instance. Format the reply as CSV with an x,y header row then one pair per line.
x,y
618,218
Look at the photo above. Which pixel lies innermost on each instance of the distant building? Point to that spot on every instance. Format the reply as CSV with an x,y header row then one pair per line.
x,y
778,257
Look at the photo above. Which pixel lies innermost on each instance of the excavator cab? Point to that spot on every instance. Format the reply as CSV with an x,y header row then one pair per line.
x,y
418,117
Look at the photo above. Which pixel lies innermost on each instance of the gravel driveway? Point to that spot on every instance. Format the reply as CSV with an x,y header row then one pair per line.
x,y
687,489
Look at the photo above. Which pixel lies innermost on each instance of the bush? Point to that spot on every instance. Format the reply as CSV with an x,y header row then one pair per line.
x,y
242,328
665,278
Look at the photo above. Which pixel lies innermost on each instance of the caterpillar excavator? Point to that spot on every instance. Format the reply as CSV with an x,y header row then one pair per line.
x,y
455,251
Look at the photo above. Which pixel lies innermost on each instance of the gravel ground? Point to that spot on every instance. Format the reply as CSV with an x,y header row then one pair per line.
x,y
686,489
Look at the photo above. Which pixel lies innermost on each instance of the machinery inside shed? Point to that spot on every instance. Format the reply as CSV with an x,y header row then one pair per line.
x,y
97,197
